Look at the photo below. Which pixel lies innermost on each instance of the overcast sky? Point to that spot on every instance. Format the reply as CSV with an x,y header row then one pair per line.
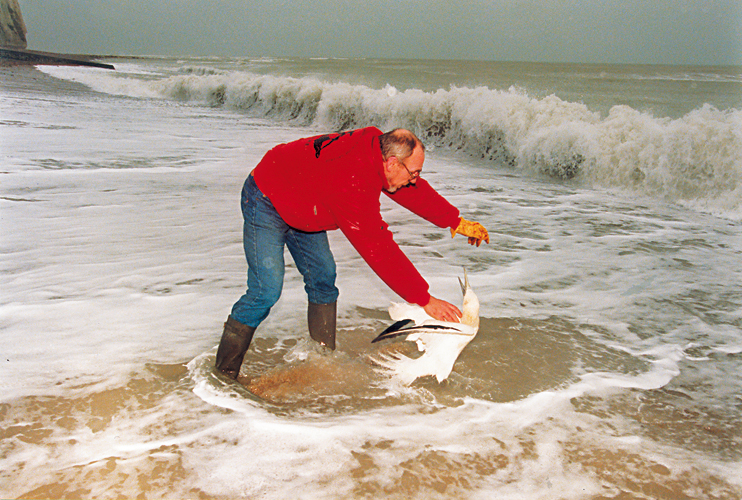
x,y
628,31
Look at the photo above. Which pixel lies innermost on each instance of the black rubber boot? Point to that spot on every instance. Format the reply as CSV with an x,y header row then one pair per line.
x,y
233,346
322,319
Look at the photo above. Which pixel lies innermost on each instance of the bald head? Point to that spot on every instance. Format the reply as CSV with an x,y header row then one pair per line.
x,y
400,143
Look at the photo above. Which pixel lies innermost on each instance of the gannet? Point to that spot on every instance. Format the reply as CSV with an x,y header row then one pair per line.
x,y
440,341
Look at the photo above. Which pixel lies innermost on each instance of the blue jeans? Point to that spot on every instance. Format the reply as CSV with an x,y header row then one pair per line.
x,y
264,236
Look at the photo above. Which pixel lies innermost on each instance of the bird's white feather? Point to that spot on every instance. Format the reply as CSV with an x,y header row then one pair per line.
x,y
401,310
441,342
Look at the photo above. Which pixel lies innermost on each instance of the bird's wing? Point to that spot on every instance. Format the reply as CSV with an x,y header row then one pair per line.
x,y
405,327
440,350
440,342
404,368
398,328
446,328
443,351
411,319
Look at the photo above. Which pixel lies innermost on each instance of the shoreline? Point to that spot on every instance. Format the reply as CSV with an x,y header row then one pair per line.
x,y
22,57
29,78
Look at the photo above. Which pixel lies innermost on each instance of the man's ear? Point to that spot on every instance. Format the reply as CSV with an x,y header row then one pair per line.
x,y
391,161
388,164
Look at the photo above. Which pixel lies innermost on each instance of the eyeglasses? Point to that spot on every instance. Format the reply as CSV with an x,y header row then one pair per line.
x,y
413,175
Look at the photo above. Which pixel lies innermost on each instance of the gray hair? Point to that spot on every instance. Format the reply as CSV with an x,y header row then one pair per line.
x,y
400,143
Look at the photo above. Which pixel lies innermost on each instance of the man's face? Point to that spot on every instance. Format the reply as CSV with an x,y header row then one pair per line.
x,y
403,173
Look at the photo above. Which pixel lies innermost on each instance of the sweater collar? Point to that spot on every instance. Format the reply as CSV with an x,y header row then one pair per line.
x,y
380,161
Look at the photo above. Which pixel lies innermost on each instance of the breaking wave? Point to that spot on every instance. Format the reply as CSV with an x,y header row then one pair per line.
x,y
695,159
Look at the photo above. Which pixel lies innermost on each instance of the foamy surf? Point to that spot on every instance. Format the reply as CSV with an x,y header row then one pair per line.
x,y
695,159
448,442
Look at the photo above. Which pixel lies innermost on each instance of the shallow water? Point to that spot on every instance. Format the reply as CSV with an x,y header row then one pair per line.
x,y
605,366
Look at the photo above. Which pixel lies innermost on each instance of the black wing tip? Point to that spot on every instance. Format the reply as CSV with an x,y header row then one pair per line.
x,y
398,329
393,330
388,336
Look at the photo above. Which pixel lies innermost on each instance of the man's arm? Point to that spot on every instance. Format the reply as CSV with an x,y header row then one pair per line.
x,y
371,238
424,201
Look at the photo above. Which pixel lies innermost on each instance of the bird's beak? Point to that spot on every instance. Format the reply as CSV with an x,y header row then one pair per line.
x,y
465,284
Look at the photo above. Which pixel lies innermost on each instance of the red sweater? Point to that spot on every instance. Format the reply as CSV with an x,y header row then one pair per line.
x,y
334,181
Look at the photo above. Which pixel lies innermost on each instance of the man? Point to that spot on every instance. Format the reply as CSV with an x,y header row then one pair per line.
x,y
300,190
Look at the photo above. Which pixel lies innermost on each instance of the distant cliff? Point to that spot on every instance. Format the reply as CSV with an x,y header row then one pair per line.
x,y
12,27
13,43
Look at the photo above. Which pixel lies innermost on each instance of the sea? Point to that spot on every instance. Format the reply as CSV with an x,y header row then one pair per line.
x,y
608,363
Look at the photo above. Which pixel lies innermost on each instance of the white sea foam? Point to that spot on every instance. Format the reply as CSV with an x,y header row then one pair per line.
x,y
695,159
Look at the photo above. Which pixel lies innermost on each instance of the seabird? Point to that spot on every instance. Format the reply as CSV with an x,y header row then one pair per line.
x,y
440,341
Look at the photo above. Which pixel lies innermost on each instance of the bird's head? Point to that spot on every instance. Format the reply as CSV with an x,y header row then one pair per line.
x,y
470,309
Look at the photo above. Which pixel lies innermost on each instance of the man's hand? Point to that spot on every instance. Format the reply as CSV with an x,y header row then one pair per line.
x,y
442,310
473,230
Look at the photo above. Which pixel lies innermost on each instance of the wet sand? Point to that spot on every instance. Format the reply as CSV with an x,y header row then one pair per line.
x,y
71,450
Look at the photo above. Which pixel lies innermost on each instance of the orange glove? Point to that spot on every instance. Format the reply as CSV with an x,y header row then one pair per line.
x,y
473,230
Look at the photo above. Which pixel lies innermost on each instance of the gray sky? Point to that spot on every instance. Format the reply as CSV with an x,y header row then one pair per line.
x,y
628,31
